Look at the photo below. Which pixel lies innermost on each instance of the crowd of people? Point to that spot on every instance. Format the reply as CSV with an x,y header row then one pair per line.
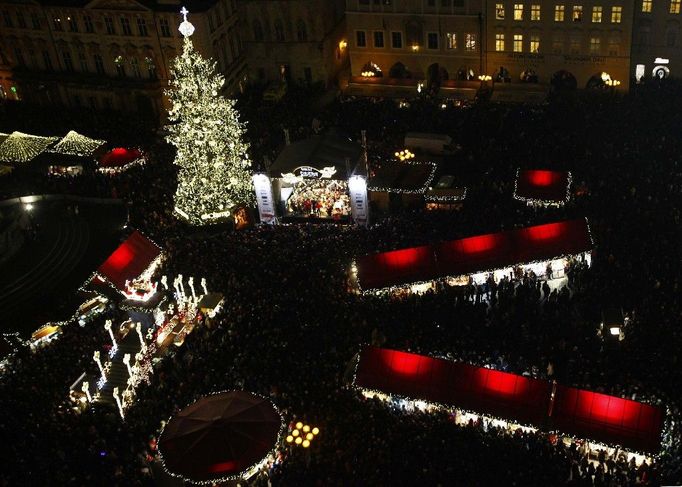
x,y
291,327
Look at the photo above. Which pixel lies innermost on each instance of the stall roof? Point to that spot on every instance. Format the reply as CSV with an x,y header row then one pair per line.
x,y
446,189
542,185
76,144
328,149
119,157
129,260
485,391
609,419
21,147
401,177
469,255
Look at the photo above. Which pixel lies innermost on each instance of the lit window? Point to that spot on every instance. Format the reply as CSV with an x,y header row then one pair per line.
x,y
535,43
559,11
646,6
470,42
499,11
595,44
674,6
535,12
596,14
518,42
452,40
499,42
518,11
616,14
577,13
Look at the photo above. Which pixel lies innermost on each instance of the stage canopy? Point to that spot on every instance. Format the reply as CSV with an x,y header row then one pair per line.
x,y
485,391
76,144
220,437
515,398
402,177
329,150
19,147
540,186
608,419
129,260
119,158
471,255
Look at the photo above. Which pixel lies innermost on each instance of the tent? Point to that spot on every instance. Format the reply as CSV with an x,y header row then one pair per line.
x,y
20,147
129,260
540,186
119,159
475,254
609,419
220,437
76,144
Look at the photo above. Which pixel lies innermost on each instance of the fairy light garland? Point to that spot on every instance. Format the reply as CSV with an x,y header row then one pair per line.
x,y
446,198
540,202
20,147
141,160
76,144
247,472
421,190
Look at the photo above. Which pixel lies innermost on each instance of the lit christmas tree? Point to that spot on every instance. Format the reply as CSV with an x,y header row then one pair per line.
x,y
214,166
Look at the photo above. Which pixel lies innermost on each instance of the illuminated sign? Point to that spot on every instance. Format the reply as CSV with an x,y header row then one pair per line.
x,y
308,172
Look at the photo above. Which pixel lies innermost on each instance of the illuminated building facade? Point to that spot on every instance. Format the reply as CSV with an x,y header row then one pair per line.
x,y
656,41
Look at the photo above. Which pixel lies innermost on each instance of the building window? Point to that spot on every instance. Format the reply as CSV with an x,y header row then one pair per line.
x,y
151,67
575,45
596,14
109,23
616,14
19,56
68,62
301,31
535,12
32,58
499,11
534,43
396,40
432,40
125,26
89,28
35,20
577,13
518,11
452,40
57,23
279,31
499,42
47,60
674,6
257,31
646,6
135,67
8,18
469,42
73,24
99,64
557,45
518,43
378,39
21,21
83,61
211,23
165,28
595,44
120,66
559,11
360,38
142,27
613,46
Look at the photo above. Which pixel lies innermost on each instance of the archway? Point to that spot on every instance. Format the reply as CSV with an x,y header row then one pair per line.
x,y
371,70
399,70
435,75
465,73
598,81
563,80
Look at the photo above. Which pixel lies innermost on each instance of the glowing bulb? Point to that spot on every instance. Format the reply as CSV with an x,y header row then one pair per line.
x,y
309,436
299,425
290,439
316,430
295,432
306,428
306,444
298,440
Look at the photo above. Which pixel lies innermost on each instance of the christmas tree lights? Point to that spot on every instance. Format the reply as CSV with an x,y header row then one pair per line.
x,y
214,171
76,144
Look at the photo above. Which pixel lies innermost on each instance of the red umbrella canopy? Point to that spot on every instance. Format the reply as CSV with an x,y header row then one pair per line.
x,y
220,436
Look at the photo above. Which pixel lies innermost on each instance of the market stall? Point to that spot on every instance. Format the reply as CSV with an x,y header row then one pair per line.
x,y
398,183
542,249
317,179
446,194
542,188
120,159
19,147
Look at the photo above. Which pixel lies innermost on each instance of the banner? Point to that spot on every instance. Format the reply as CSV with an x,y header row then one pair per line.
x,y
266,204
357,188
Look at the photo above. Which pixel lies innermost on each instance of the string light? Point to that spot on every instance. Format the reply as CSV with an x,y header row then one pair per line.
x,y
420,190
214,166
540,202
76,144
20,147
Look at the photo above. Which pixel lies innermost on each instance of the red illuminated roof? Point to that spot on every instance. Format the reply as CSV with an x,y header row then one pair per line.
x,y
118,157
541,185
464,386
598,417
129,260
473,254
610,419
